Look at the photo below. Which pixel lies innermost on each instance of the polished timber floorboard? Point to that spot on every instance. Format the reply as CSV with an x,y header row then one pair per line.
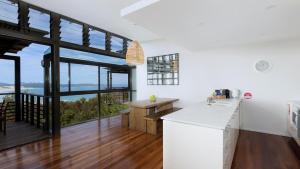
x,y
19,133
90,146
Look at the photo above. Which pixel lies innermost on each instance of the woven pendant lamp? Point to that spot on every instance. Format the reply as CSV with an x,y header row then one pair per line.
x,y
135,54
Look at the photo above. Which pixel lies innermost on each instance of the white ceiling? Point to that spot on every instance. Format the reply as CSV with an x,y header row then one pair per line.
x,y
194,24
198,24
104,14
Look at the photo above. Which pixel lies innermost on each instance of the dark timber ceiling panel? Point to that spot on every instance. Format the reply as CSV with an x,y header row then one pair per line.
x,y
15,45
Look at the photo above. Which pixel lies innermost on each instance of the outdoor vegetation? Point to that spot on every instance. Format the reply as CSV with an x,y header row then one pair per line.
x,y
81,110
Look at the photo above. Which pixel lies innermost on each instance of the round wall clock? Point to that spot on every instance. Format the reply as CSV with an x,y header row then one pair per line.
x,y
262,66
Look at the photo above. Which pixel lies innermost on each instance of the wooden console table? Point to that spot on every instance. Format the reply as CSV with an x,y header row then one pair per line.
x,y
140,109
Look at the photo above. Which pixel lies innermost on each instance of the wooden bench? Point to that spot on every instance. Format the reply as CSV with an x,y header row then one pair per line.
x,y
153,119
125,117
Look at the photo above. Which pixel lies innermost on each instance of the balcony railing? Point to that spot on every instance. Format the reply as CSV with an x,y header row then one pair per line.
x,y
34,109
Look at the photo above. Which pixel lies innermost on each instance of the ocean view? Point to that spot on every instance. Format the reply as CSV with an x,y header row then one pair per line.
x,y
63,88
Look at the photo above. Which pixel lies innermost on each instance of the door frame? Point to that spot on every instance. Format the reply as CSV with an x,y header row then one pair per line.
x,y
17,66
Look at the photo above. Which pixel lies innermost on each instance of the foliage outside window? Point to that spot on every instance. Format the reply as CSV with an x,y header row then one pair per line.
x,y
86,108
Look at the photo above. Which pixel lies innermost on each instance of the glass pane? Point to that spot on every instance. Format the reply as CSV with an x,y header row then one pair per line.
x,y
69,53
97,39
104,77
78,109
7,77
64,77
134,96
116,44
84,77
71,32
40,20
113,103
8,11
119,80
133,79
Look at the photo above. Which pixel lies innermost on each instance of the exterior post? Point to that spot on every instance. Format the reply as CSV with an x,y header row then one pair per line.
x,y
55,73
18,89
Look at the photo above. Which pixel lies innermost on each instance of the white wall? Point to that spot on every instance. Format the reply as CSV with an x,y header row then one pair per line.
x,y
202,72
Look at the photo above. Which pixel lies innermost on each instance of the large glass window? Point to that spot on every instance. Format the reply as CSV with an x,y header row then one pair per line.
x,y
119,80
75,54
112,103
84,77
8,11
64,77
78,109
104,78
71,32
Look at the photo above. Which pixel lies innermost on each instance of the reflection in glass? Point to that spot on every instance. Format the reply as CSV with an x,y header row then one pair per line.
x,y
104,78
112,103
116,44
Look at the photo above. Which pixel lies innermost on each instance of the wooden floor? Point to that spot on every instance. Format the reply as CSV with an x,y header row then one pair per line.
x,y
264,151
19,133
90,146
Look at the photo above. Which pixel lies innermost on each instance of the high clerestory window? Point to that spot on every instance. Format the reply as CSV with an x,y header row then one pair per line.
x,y
71,31
9,11
39,20
97,39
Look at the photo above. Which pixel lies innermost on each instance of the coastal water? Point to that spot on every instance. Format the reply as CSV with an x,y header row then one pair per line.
x,y
40,91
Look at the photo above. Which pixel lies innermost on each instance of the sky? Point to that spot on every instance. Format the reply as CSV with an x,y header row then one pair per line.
x,y
31,57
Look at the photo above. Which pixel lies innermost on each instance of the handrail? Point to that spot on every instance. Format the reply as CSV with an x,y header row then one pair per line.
x,y
31,94
7,94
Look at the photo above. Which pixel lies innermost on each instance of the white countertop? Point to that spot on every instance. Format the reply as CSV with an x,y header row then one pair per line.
x,y
215,116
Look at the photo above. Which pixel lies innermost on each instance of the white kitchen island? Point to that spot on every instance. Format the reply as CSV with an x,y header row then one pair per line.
x,y
201,136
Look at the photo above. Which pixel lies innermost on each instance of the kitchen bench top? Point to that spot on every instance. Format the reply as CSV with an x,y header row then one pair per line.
x,y
215,116
148,104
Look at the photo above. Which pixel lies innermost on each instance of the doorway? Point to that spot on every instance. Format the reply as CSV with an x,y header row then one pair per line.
x,y
21,114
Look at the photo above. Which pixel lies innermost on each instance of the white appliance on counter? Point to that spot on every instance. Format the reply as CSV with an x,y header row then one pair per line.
x,y
294,120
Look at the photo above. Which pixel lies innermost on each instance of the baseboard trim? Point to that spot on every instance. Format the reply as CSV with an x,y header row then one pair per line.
x,y
267,132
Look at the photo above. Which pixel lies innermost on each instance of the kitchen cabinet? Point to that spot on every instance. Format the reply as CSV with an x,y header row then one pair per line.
x,y
201,136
